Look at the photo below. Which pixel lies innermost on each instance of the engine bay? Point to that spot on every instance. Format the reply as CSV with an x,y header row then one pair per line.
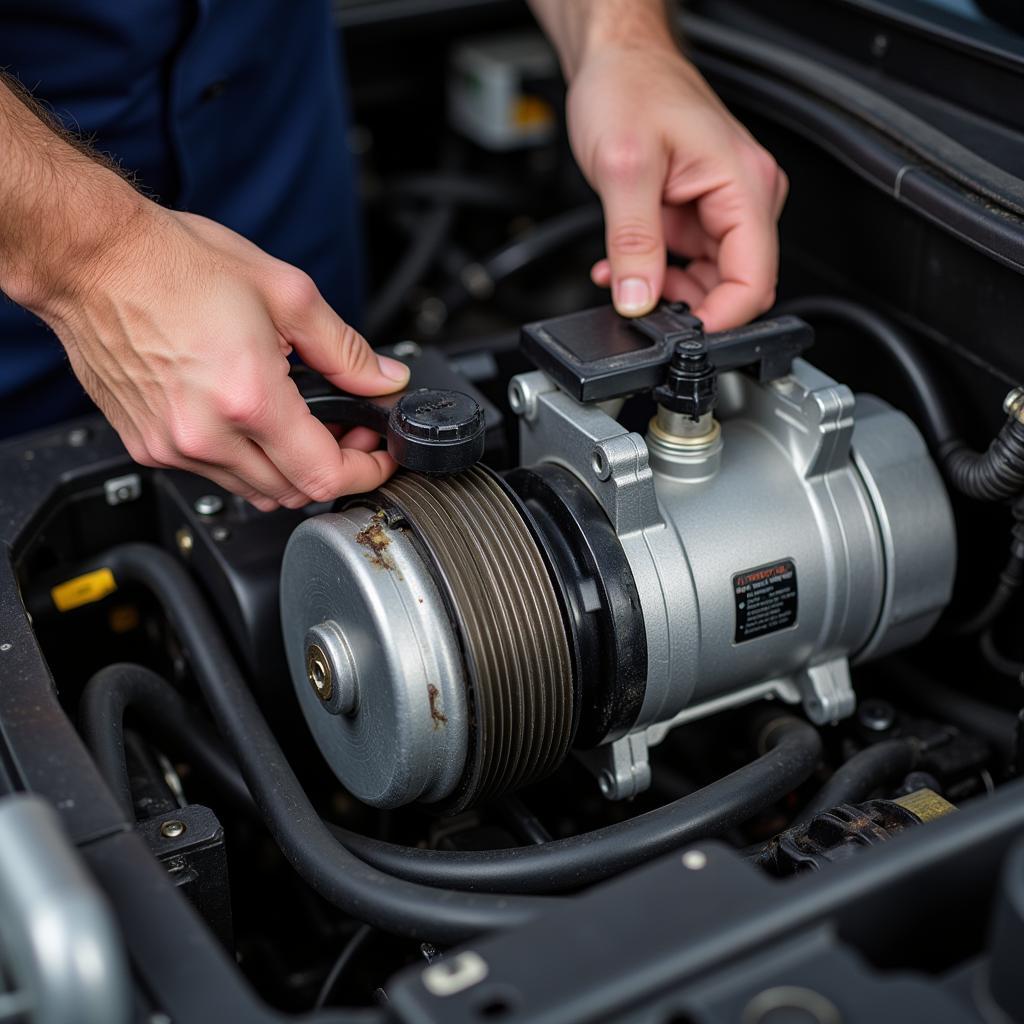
x,y
675,676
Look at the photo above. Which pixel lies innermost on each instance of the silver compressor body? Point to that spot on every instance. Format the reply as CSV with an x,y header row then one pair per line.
x,y
453,638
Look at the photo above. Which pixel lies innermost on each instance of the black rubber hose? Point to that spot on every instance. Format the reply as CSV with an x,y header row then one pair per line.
x,y
117,688
992,475
936,421
533,245
794,748
857,778
793,745
338,876
1010,581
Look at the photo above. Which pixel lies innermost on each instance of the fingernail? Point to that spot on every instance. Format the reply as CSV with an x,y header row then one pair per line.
x,y
632,295
393,369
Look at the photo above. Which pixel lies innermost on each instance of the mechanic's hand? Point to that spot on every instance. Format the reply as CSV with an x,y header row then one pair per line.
x,y
181,337
674,169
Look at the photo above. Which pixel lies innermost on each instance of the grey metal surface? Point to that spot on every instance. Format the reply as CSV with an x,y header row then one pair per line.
x,y
859,511
406,737
59,945
916,523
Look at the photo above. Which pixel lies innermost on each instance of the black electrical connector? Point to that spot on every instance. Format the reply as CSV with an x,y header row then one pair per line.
x,y
597,355
691,384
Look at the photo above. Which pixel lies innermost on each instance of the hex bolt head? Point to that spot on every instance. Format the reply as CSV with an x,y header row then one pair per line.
x,y
209,504
173,829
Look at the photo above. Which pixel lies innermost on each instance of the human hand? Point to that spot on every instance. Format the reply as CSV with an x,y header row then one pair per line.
x,y
181,331
674,171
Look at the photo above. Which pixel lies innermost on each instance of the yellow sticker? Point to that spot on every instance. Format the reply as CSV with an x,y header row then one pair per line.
x,y
93,586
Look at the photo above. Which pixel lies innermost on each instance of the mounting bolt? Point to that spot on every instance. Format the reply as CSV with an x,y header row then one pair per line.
x,y
209,504
877,715
173,829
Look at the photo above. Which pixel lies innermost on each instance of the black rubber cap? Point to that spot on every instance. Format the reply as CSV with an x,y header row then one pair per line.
x,y
434,431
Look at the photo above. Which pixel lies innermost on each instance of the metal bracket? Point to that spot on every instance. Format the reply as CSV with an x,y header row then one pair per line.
x,y
622,768
827,691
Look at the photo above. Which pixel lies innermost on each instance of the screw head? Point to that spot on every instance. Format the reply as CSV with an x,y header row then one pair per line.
x,y
220,534
318,671
695,860
209,504
185,541
173,829
78,437
877,715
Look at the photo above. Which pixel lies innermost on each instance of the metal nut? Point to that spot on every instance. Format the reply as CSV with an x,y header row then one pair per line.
x,y
318,670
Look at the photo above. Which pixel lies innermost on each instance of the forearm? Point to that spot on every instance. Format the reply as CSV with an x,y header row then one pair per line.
x,y
61,209
576,27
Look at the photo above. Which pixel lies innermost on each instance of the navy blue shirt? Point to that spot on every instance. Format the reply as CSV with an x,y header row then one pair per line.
x,y
234,109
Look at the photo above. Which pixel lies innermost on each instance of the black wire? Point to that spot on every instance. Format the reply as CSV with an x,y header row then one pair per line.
x,y
1010,580
337,875
948,704
345,957
530,828
540,241
936,420
992,475
428,241
995,659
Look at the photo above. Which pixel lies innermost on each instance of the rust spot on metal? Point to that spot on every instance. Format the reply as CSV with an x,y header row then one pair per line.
x,y
438,716
374,536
